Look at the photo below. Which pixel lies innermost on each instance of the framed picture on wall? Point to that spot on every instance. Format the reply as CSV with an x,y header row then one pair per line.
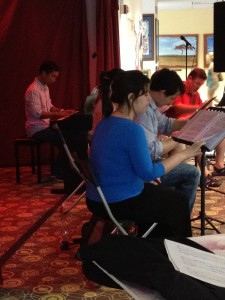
x,y
148,37
156,40
172,51
208,47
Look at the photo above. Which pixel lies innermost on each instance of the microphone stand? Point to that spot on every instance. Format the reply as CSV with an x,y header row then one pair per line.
x,y
186,59
187,44
222,101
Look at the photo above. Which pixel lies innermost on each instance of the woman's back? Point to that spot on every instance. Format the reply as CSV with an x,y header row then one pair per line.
x,y
119,156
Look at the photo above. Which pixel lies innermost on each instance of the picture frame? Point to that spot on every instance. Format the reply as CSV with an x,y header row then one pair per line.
x,y
148,36
172,51
208,46
156,40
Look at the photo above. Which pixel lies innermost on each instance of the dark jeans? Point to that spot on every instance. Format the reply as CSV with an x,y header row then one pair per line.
x,y
184,178
167,207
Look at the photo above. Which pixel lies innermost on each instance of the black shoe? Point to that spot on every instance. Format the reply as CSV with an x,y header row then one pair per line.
x,y
218,172
212,182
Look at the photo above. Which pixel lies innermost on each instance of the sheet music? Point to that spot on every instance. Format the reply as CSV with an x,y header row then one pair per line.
x,y
205,126
196,263
215,242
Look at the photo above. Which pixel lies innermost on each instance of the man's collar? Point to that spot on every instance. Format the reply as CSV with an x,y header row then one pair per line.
x,y
152,104
42,85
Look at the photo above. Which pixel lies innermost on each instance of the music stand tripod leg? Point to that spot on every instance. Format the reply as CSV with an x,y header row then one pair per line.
x,y
202,187
202,215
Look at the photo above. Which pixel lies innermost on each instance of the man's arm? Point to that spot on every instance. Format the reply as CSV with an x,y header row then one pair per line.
x,y
183,104
185,108
33,103
56,113
178,124
169,145
155,123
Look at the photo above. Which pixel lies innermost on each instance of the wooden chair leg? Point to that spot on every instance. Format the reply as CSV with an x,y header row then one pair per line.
x,y
38,155
32,155
17,162
52,158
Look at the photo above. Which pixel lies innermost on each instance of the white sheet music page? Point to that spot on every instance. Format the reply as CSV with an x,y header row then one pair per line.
x,y
213,242
196,263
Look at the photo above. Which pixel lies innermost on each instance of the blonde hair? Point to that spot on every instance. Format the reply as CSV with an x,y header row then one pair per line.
x,y
209,57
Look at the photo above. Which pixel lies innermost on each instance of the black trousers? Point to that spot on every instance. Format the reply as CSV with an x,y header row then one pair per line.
x,y
145,262
169,208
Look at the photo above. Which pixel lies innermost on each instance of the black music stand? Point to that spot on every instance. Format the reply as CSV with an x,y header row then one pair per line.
x,y
219,107
222,101
75,128
202,215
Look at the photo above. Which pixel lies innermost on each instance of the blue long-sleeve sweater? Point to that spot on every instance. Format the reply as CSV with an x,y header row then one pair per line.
x,y
120,159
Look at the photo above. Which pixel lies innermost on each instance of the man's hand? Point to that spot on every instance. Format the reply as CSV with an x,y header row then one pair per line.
x,y
69,111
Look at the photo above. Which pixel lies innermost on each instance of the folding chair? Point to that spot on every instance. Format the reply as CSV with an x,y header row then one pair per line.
x,y
84,170
90,176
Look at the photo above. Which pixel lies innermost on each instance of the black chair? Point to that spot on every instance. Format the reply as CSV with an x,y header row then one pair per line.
x,y
34,147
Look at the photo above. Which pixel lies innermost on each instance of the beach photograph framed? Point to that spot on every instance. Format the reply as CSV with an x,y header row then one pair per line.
x,y
148,36
172,51
208,47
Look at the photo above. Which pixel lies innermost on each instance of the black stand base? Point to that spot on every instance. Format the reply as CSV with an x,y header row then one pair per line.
x,y
222,101
208,220
202,215
215,190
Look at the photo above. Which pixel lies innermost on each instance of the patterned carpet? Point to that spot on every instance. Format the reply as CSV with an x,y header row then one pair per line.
x,y
39,269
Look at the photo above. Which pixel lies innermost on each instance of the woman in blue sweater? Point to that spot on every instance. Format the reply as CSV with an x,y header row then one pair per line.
x,y
121,162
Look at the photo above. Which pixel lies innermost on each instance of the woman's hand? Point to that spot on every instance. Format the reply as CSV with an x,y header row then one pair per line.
x,y
177,158
157,181
194,149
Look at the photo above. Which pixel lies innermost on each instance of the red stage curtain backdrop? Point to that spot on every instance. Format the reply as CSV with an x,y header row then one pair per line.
x,y
31,31
108,49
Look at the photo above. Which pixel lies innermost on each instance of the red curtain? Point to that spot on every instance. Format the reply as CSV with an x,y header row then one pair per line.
x,y
107,31
31,31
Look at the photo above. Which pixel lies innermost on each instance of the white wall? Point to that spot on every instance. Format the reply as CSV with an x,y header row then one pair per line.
x,y
130,34
149,7
130,31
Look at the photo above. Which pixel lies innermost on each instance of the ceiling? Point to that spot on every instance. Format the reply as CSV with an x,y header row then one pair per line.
x,y
185,4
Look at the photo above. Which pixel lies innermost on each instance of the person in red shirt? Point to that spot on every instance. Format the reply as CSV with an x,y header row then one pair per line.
x,y
186,105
